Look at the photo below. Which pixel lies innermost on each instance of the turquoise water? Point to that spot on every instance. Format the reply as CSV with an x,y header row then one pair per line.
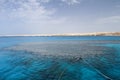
x,y
60,58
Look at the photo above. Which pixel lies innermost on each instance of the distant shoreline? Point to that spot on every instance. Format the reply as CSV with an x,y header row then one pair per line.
x,y
67,34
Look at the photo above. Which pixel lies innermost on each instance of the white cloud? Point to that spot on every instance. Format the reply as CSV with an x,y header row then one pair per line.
x,y
71,2
46,1
32,11
29,11
108,20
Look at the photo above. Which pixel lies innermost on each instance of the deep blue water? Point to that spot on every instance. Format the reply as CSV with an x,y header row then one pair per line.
x,y
93,58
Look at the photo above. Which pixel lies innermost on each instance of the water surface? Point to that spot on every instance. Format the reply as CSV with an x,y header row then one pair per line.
x,y
60,58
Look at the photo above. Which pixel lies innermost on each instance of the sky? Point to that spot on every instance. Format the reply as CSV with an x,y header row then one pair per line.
x,y
59,16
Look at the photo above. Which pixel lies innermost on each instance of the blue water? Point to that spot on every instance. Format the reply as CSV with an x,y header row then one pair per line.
x,y
101,60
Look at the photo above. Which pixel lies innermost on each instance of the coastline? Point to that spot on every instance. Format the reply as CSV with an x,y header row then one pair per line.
x,y
67,34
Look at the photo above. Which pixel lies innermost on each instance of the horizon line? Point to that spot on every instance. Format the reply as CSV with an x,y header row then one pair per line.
x,y
69,34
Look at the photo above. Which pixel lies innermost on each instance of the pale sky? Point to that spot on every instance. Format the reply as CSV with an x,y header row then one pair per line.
x,y
59,16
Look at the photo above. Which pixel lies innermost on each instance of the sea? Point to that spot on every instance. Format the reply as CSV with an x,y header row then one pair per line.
x,y
60,58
